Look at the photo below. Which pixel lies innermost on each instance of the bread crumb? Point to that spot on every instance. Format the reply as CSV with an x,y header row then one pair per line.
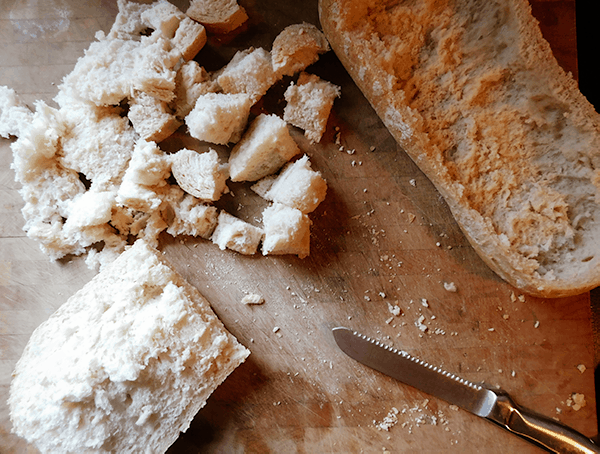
x,y
581,368
253,299
450,287
576,401
389,421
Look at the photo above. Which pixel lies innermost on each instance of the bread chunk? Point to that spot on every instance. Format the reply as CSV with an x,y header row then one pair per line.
x,y
265,147
218,16
473,93
296,47
124,365
200,174
219,118
250,71
191,216
146,174
297,186
191,82
235,234
14,114
189,38
287,231
309,103
151,118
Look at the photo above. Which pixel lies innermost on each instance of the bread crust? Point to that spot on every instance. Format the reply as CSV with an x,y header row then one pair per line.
x,y
471,91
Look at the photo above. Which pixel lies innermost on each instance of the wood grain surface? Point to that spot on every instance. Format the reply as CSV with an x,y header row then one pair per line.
x,y
382,238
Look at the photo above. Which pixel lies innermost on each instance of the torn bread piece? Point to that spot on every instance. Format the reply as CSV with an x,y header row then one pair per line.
x,y
287,231
297,186
147,172
249,71
264,148
297,47
124,365
219,118
191,82
151,118
14,113
236,234
200,174
189,215
309,103
218,16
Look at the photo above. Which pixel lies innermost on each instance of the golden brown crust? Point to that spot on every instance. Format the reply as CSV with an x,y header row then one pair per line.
x,y
474,95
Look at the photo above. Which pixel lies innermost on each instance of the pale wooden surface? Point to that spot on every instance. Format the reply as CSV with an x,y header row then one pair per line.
x,y
297,392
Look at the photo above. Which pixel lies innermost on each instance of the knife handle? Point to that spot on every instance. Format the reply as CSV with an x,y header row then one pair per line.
x,y
543,431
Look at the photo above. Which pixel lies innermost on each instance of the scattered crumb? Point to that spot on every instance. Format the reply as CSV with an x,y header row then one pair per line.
x,y
413,182
276,329
424,302
576,401
419,323
450,286
536,324
389,421
394,309
581,368
253,299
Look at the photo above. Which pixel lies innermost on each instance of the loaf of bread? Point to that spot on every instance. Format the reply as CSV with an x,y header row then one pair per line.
x,y
471,91
124,365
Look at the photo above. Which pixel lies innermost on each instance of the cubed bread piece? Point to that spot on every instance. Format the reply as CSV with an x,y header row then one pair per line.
x,y
219,117
250,71
190,215
189,38
309,104
192,81
287,231
129,24
151,118
124,365
297,47
237,235
218,16
200,174
14,114
147,171
265,147
163,17
297,186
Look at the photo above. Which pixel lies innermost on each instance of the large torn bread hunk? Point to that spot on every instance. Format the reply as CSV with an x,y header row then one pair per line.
x,y
474,95
124,365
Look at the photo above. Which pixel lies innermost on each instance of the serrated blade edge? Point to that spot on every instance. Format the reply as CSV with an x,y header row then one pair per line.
x,y
415,372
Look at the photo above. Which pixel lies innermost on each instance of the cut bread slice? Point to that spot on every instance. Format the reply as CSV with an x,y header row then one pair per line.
x,y
219,118
296,47
235,234
124,365
309,103
218,16
264,148
297,186
287,231
473,93
200,174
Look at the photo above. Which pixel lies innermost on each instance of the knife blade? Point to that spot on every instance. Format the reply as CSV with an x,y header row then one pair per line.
x,y
492,404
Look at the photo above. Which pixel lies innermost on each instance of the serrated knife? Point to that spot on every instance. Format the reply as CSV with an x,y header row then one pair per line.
x,y
491,404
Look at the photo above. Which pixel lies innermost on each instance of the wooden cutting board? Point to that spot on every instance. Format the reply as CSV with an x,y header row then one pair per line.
x,y
382,238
